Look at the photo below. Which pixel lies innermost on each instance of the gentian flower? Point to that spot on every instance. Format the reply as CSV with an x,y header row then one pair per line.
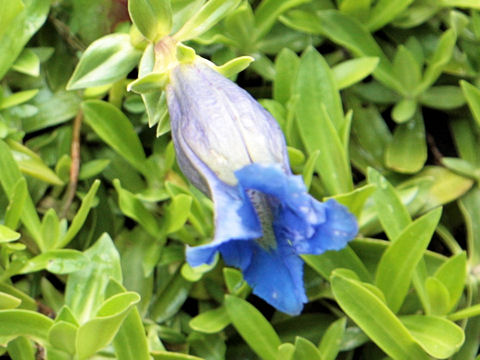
x,y
233,150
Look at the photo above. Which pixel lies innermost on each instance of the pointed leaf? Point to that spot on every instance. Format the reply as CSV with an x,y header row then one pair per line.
x,y
332,340
393,215
100,331
206,17
105,61
152,17
211,321
439,337
116,130
398,263
352,71
253,327
304,349
81,215
472,94
377,321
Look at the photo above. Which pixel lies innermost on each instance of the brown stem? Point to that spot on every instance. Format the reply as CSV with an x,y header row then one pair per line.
x,y
437,155
66,34
75,165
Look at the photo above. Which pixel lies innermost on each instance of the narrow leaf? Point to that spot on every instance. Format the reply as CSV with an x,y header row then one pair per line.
x,y
371,314
398,263
253,327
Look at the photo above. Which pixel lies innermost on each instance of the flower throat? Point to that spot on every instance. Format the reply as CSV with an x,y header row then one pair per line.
x,y
263,209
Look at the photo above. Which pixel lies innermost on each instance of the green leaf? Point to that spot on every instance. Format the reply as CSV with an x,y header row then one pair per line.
x,y
16,203
130,342
286,67
177,212
233,279
234,66
407,152
63,261
472,4
152,82
53,109
28,63
26,323
27,302
315,75
453,274
319,118
309,168
207,346
470,207
50,228
168,302
370,135
32,164
385,11
10,9
352,71
116,130
100,331
152,17
440,58
469,312
239,27
132,207
164,355
443,97
80,216
17,98
355,200
19,28
439,337
8,301
9,176
253,327
445,186
85,288
7,234
211,321
268,11
348,32
332,340
472,94
92,168
62,335
397,265
105,61
285,351
304,349
438,296
377,321
346,258
391,212
21,349
206,17
404,110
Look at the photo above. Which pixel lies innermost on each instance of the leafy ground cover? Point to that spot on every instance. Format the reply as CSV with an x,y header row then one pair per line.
x,y
379,102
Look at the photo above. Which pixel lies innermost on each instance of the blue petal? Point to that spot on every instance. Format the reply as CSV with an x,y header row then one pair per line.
x,y
277,277
339,228
311,226
235,219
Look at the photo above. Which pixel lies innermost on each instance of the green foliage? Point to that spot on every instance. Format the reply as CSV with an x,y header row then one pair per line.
x,y
380,105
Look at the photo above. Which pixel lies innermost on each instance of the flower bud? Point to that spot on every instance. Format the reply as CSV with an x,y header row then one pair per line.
x,y
233,150
223,126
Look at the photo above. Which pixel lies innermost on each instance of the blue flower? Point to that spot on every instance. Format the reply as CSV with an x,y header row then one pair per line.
x,y
234,151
